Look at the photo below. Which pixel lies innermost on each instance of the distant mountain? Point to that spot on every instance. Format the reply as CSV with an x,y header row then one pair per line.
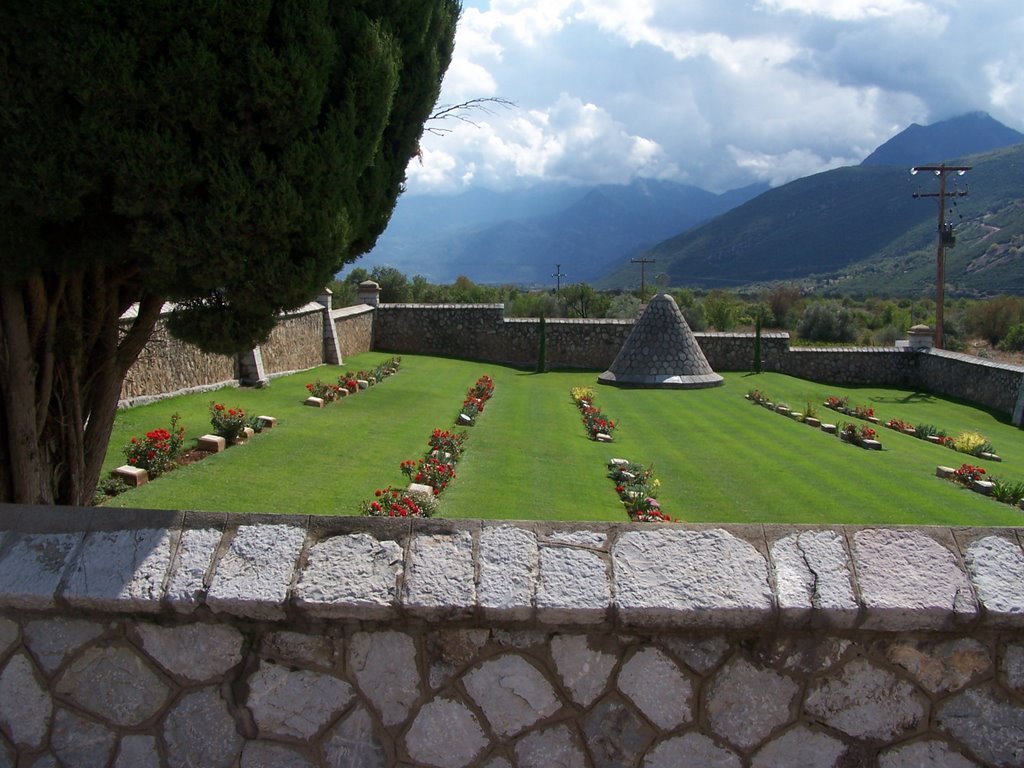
x,y
519,237
859,229
969,134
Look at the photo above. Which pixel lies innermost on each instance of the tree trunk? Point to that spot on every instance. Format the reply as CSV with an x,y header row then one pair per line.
x,y
63,356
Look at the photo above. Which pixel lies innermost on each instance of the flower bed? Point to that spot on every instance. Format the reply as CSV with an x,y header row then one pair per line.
x,y
475,400
432,473
598,426
969,442
638,490
864,436
974,478
321,393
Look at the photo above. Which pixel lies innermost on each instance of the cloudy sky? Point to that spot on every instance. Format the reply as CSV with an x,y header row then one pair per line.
x,y
716,93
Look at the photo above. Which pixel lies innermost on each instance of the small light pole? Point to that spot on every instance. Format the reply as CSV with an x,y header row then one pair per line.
x,y
558,275
643,263
946,237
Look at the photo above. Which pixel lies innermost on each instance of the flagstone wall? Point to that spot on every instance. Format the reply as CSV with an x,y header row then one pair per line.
x,y
148,638
481,332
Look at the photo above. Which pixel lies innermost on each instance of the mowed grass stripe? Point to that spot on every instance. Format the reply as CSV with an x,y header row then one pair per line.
x,y
719,458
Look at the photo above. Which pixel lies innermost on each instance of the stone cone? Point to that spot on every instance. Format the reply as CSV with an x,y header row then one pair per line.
x,y
661,352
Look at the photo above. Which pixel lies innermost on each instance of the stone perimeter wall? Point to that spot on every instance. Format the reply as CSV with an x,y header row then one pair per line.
x,y
480,332
147,638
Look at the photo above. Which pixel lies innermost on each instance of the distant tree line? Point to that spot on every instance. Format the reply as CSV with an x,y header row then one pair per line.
x,y
871,321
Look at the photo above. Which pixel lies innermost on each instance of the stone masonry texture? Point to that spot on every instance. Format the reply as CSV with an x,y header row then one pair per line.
x,y
690,646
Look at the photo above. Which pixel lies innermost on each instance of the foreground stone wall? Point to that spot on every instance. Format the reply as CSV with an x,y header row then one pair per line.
x,y
164,639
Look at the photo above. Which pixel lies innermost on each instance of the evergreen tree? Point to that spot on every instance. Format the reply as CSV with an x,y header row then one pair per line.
x,y
228,157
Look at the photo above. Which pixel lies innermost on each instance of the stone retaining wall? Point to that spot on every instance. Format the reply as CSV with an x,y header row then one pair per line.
x,y
168,366
354,328
147,638
295,344
480,332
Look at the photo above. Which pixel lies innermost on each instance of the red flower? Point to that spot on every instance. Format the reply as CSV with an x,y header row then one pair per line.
x,y
378,493
218,407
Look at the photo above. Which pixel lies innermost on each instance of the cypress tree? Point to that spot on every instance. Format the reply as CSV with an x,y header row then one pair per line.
x,y
542,347
228,157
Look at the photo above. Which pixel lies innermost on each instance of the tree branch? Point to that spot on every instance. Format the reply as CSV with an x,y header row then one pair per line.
x,y
463,111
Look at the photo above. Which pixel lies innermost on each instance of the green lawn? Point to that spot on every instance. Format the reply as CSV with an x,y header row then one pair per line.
x,y
719,458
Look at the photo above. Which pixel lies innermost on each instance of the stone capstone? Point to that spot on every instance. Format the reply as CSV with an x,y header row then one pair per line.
x,y
696,578
121,570
812,578
295,703
439,576
253,576
573,586
350,576
187,584
116,684
996,568
508,562
909,581
32,567
512,694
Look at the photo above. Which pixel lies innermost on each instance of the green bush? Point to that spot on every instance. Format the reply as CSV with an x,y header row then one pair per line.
x,y
1013,341
827,321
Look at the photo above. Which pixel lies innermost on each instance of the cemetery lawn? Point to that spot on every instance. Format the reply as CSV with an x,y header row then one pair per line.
x,y
720,459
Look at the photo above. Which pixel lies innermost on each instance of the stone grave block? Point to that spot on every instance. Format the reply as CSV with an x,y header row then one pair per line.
x,y
211,443
133,476
314,402
268,422
944,472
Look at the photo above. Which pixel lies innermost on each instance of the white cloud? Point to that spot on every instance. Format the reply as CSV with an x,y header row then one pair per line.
x,y
714,93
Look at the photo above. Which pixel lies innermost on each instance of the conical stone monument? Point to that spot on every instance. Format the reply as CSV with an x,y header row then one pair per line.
x,y
661,352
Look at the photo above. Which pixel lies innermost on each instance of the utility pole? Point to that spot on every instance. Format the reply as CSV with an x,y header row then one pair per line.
x,y
558,275
946,236
643,264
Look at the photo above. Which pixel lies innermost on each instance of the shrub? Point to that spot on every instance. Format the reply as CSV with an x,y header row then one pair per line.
x,y
156,452
971,443
967,474
1013,341
395,502
108,488
1007,492
326,392
226,422
827,321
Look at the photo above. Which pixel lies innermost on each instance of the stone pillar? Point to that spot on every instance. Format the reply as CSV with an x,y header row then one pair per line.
x,y
332,349
920,338
368,293
251,372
